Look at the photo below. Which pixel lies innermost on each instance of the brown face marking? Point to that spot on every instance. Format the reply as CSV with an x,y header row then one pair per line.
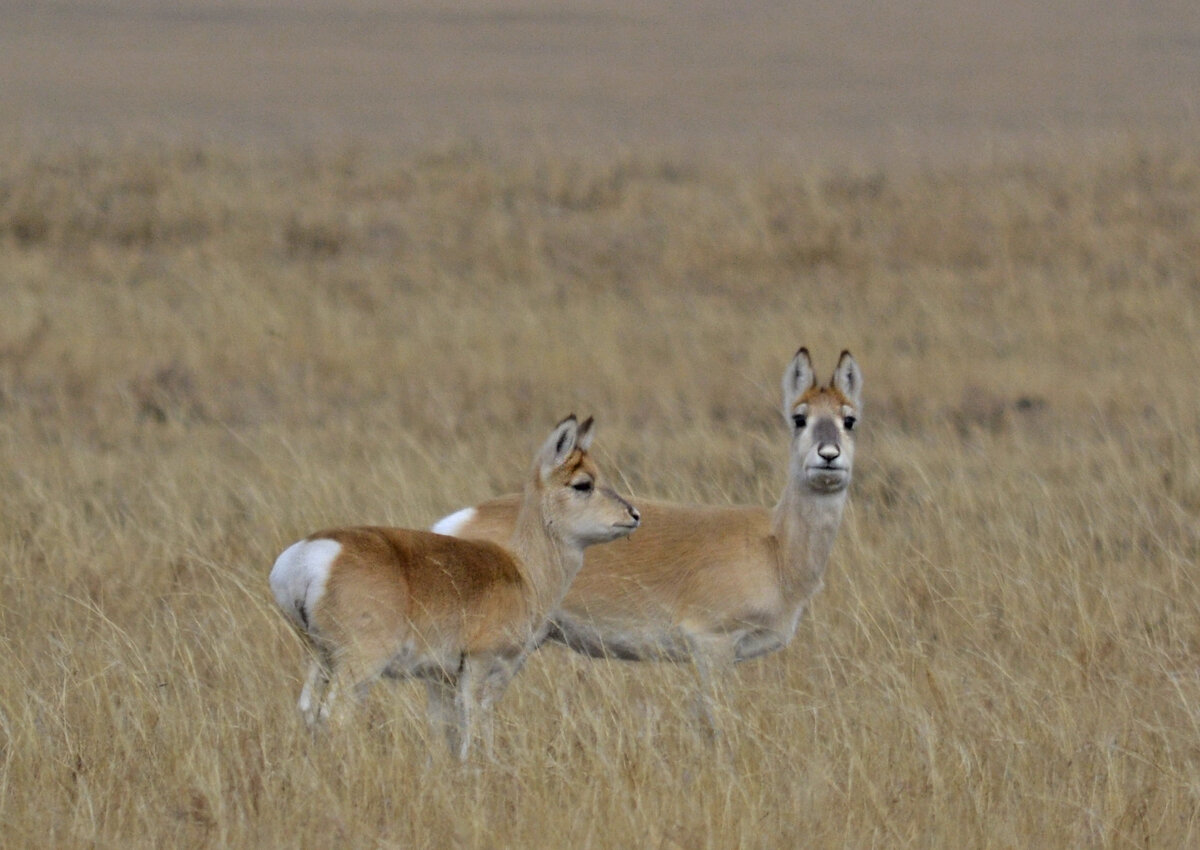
x,y
822,397
574,463
834,395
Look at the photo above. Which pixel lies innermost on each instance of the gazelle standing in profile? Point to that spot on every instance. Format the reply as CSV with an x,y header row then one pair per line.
x,y
714,585
460,614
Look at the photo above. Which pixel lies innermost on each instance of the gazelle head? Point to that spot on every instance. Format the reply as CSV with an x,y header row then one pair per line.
x,y
822,420
576,505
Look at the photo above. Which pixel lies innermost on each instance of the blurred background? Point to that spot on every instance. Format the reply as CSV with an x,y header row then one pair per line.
x,y
846,81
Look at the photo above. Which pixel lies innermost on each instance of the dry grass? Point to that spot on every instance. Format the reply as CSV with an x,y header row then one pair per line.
x,y
206,353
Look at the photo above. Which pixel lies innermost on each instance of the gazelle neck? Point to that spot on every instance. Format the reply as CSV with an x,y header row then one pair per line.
x,y
548,562
805,523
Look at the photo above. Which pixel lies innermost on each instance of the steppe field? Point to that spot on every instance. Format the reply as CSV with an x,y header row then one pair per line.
x,y
210,347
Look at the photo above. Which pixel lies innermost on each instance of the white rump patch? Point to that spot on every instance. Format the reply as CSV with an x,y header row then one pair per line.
x,y
299,575
451,525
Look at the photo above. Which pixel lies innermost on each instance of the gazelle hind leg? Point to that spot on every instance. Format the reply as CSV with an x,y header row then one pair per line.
x,y
312,696
350,677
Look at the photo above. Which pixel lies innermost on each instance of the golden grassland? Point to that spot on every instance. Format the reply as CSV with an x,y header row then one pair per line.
x,y
207,353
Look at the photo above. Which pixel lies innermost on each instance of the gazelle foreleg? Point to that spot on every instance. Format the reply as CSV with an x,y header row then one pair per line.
x,y
712,656
466,704
441,712
493,677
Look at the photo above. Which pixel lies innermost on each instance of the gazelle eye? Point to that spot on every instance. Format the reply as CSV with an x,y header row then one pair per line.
x,y
848,422
582,486
799,420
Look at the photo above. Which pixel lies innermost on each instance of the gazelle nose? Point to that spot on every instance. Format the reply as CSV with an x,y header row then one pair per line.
x,y
633,512
828,451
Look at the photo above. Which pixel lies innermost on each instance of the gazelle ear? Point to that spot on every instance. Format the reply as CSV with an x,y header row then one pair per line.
x,y
798,379
847,378
587,430
559,445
